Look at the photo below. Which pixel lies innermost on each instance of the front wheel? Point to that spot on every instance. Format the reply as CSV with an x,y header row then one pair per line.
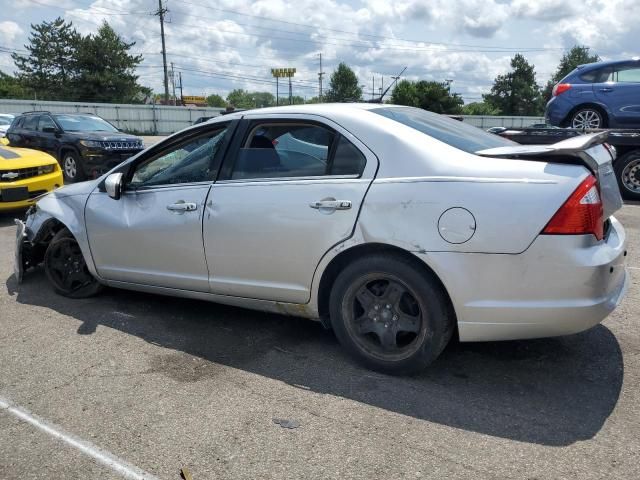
x,y
66,268
627,170
72,167
389,314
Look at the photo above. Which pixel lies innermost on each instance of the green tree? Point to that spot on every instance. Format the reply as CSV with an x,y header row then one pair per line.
x,y
479,108
343,86
10,87
578,55
106,69
49,67
241,98
516,92
216,101
432,96
263,99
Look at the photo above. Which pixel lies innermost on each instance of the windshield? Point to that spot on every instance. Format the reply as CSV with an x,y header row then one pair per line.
x,y
5,121
84,123
452,132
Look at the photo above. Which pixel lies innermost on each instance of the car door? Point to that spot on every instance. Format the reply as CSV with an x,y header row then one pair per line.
x,y
290,189
152,235
621,93
47,141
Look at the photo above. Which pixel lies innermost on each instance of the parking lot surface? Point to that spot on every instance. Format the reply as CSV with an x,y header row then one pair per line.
x,y
163,383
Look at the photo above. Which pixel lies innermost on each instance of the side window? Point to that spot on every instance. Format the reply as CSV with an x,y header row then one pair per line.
x,y
45,121
275,150
30,122
347,160
189,162
629,75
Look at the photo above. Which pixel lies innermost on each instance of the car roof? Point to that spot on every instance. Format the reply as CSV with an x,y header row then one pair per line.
x,y
608,63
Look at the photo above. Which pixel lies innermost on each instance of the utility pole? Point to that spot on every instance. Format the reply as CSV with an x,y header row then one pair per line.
x,y
161,13
381,87
277,92
180,87
449,82
290,93
373,86
320,75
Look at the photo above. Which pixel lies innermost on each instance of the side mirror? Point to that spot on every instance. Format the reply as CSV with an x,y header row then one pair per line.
x,y
50,130
113,185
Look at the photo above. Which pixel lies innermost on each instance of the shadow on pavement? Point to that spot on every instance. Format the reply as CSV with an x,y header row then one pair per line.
x,y
552,392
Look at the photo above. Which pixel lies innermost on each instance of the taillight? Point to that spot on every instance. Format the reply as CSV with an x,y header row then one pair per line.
x,y
581,214
560,88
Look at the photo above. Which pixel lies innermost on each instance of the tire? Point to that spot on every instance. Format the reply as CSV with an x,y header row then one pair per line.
x,y
627,170
72,167
389,314
66,269
588,117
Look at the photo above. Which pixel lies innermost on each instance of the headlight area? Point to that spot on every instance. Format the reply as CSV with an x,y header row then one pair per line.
x,y
91,143
46,169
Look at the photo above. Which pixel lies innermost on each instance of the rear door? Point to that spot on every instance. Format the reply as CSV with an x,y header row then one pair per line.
x,y
26,135
621,93
290,189
47,141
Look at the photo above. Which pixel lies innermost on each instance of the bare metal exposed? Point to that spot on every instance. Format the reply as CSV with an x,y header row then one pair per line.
x,y
394,226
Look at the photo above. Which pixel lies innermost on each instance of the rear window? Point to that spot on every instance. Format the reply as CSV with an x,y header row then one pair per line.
x,y
458,134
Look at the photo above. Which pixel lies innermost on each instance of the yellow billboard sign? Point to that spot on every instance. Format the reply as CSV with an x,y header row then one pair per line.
x,y
283,72
193,99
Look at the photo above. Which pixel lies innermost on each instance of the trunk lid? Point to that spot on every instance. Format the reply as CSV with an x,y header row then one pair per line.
x,y
587,150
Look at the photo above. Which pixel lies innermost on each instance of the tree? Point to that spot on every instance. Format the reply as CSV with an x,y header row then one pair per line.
x,y
50,65
516,92
479,108
578,55
10,87
432,96
343,86
106,69
240,98
216,101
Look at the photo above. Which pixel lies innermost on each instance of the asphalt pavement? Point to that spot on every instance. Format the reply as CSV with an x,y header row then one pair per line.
x,y
155,384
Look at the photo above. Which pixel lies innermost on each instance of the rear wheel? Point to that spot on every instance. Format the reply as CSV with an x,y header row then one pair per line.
x,y
587,118
72,167
66,269
389,314
627,170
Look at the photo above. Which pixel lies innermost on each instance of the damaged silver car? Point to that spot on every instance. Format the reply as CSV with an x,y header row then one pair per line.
x,y
394,226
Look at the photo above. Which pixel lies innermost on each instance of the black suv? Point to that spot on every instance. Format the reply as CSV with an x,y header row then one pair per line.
x,y
84,144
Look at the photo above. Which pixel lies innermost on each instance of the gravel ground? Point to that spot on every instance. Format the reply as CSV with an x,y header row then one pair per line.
x,y
165,383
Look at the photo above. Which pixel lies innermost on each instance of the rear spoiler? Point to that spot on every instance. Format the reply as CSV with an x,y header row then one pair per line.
x,y
573,147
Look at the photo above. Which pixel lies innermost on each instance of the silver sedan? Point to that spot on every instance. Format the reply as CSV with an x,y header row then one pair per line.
x,y
393,226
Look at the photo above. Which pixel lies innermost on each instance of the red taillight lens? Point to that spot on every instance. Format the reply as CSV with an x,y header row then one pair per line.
x,y
581,214
560,88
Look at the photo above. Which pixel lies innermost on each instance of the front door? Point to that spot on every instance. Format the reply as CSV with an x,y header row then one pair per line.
x,y
152,235
290,190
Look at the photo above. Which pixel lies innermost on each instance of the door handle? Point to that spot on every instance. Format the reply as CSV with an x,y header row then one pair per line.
x,y
182,207
331,204
606,89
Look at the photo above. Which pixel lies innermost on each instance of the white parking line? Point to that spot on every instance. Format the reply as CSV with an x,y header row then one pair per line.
x,y
99,454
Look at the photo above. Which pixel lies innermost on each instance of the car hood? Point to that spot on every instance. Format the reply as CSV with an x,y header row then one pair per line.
x,y
106,136
14,158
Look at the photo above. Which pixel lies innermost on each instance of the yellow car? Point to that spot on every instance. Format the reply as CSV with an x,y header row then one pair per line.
x,y
24,175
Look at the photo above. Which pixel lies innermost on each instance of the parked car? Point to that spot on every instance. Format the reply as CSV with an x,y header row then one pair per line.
x,y
84,144
598,95
25,175
400,227
5,122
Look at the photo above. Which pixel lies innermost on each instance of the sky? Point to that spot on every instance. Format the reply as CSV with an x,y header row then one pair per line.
x,y
226,44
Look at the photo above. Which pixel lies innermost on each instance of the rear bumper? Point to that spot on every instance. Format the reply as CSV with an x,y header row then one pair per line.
x,y
560,285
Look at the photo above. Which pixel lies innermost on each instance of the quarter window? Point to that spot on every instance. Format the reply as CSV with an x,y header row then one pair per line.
x,y
347,160
629,75
189,162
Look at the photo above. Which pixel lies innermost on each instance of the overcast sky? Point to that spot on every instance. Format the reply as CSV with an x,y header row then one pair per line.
x,y
225,44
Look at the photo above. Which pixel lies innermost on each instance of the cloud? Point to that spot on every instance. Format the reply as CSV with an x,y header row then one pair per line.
x,y
9,32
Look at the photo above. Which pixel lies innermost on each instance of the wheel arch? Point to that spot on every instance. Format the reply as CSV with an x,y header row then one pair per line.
x,y
342,259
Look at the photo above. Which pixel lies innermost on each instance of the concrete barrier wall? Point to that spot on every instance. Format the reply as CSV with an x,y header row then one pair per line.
x,y
162,120
143,119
